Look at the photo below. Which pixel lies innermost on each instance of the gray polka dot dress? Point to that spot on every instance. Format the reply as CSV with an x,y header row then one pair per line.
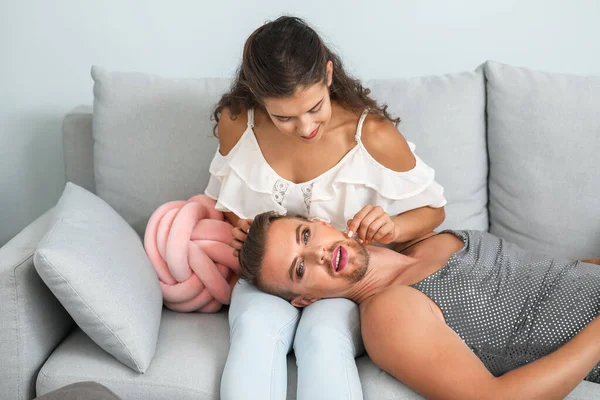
x,y
512,306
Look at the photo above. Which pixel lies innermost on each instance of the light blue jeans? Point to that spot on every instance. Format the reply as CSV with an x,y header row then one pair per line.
x,y
263,329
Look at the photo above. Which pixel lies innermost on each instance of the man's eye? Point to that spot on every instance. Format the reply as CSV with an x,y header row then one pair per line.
x,y
316,111
305,236
300,269
286,119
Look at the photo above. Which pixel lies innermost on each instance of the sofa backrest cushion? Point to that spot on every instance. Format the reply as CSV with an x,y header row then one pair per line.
x,y
445,117
543,144
153,140
78,147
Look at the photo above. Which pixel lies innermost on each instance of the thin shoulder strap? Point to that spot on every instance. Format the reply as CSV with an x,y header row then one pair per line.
x,y
251,118
360,125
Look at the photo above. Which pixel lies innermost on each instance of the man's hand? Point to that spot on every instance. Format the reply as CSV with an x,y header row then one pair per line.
x,y
240,233
372,224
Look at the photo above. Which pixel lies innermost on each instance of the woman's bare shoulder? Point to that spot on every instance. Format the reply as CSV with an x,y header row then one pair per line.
x,y
386,145
230,129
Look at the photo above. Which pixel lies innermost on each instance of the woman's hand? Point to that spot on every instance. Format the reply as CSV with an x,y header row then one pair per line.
x,y
372,224
240,232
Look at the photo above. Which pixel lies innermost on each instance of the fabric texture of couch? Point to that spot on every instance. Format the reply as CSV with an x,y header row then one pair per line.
x,y
512,147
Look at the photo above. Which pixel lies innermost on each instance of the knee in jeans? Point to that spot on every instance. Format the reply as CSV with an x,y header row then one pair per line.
x,y
253,320
323,337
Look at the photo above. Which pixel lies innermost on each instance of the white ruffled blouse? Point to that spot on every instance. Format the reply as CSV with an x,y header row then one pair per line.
x,y
244,183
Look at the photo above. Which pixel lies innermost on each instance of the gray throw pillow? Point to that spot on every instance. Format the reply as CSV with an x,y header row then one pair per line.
x,y
96,266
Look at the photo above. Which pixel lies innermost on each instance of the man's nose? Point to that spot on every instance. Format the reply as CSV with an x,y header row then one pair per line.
x,y
317,254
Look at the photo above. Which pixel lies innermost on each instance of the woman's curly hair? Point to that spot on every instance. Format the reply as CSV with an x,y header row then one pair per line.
x,y
284,55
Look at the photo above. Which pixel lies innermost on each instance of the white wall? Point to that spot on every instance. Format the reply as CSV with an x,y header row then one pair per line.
x,y
47,48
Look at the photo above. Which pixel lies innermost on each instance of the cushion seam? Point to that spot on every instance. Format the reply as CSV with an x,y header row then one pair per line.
x,y
82,300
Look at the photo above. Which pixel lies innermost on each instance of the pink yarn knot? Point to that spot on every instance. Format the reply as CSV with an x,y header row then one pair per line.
x,y
188,245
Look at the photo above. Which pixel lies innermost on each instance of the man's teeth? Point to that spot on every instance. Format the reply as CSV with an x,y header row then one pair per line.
x,y
337,259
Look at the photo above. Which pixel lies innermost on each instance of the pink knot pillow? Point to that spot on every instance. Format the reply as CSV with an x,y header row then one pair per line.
x,y
188,245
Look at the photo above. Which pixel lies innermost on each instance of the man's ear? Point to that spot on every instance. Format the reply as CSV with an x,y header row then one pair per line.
x,y
303,301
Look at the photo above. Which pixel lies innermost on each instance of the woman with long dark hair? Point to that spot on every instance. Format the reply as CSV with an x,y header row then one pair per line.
x,y
300,136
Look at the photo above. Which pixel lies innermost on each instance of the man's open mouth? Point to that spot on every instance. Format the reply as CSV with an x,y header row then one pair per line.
x,y
339,259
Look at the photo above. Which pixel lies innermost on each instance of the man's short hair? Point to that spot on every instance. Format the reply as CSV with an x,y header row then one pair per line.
x,y
253,252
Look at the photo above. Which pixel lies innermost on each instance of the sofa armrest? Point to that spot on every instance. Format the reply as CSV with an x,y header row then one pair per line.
x,y
32,321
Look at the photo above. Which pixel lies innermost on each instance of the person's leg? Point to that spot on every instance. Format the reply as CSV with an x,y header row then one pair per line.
x,y
261,331
327,341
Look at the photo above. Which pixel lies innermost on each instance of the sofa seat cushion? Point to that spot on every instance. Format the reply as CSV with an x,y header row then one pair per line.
x,y
189,358
188,363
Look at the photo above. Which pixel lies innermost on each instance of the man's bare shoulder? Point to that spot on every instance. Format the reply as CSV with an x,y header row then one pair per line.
x,y
395,304
400,314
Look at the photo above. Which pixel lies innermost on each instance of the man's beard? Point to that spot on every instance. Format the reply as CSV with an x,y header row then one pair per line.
x,y
358,256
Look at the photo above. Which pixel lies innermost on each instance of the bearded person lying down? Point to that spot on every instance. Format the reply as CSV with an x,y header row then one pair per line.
x,y
454,315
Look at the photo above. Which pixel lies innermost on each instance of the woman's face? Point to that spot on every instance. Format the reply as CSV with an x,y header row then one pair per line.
x,y
306,113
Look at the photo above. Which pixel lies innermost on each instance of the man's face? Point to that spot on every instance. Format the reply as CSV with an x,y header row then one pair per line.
x,y
312,259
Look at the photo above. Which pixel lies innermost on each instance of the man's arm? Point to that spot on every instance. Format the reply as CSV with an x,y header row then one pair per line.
x,y
404,336
591,261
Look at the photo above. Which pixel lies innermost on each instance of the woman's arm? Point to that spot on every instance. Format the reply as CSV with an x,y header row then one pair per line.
x,y
231,218
230,131
404,336
373,224
418,222
389,148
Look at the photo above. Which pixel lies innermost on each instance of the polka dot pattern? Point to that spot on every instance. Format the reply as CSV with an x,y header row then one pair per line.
x,y
512,306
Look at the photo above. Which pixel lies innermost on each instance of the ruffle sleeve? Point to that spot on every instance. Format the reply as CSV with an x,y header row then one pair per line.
x,y
231,179
363,181
214,183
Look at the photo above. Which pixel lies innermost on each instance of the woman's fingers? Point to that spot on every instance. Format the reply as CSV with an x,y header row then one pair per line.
x,y
363,229
239,234
385,234
374,229
238,238
244,224
355,222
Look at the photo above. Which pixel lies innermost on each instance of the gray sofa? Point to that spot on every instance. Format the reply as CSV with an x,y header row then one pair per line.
x,y
516,151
